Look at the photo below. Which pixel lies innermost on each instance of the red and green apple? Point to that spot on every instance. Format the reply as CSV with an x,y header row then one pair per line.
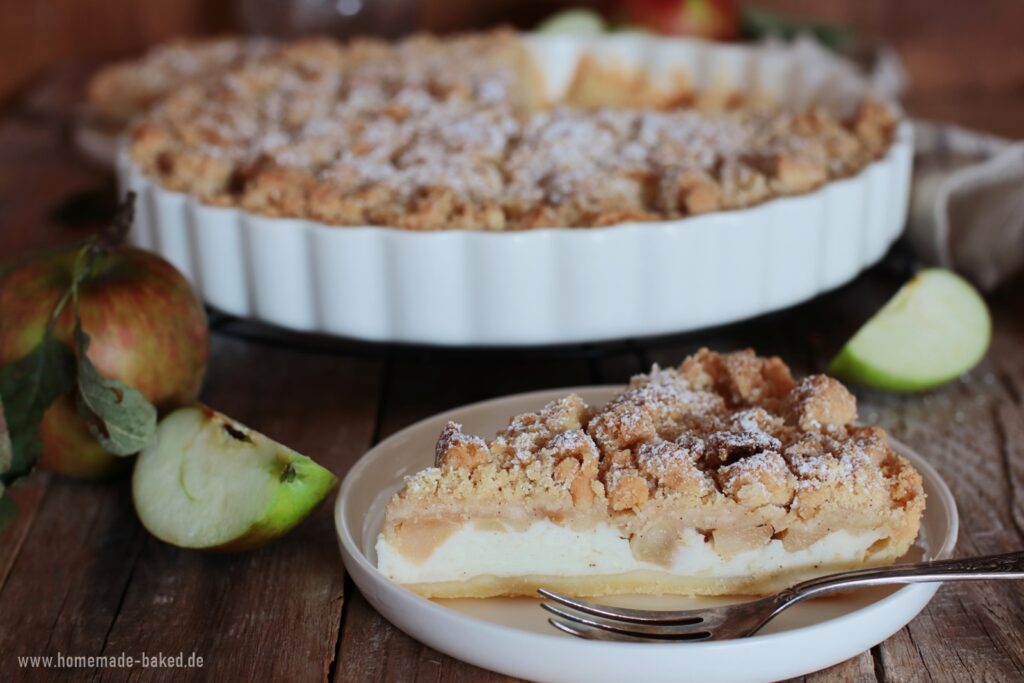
x,y
147,328
710,19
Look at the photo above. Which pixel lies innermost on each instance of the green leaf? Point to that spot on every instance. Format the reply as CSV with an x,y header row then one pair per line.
x,y
758,24
120,417
6,456
27,388
8,511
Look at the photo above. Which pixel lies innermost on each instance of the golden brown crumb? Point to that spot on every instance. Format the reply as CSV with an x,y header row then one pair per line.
x,y
821,402
456,450
725,443
451,133
121,91
696,192
627,490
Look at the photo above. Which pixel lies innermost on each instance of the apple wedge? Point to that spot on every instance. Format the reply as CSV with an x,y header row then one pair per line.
x,y
208,482
935,328
574,22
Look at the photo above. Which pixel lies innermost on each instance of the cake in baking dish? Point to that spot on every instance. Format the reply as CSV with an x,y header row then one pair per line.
x,y
125,90
457,133
721,476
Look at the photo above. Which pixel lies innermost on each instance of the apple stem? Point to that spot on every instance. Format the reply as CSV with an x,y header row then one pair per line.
x,y
59,308
116,235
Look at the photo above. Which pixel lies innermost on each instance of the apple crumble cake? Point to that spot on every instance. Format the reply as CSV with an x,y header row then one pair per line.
x,y
125,90
441,133
721,476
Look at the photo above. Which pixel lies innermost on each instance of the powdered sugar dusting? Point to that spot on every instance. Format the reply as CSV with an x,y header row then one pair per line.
x,y
438,133
740,468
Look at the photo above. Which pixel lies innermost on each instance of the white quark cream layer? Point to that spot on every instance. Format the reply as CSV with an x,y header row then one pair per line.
x,y
548,549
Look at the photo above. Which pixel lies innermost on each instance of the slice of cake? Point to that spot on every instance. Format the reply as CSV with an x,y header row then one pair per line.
x,y
722,476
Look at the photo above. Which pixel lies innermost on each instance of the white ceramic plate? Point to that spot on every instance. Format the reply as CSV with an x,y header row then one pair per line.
x,y
512,636
554,286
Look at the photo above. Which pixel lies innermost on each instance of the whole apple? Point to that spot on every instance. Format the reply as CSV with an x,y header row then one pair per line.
x,y
147,328
708,19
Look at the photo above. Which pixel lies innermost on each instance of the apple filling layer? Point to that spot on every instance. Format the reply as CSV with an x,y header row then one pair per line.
x,y
474,560
721,476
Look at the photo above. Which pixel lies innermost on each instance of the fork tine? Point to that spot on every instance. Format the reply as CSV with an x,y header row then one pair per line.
x,y
594,634
657,632
633,616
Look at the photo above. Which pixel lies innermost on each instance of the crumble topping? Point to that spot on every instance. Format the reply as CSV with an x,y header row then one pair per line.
x,y
726,443
431,133
127,89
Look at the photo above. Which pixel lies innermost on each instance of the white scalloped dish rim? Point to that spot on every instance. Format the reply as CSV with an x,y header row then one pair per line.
x,y
545,286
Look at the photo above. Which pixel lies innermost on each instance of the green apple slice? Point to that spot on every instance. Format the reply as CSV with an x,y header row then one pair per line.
x,y
209,482
574,22
934,329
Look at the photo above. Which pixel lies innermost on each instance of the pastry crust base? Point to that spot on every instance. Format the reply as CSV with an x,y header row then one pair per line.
x,y
637,582
727,453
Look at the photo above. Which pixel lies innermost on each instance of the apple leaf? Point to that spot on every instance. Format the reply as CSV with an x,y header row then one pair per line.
x,y
7,511
27,389
5,443
120,417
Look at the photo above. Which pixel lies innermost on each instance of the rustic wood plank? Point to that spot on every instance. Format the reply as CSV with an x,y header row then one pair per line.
x,y
31,41
855,670
66,583
805,337
274,613
27,496
899,659
371,649
964,633
64,560
970,430
821,326
37,173
1007,358
970,631
998,113
78,574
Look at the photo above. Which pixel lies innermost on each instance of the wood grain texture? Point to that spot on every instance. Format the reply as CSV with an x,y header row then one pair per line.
x,y
273,613
970,631
37,174
856,670
61,584
27,497
948,46
80,576
34,36
370,648
64,589
970,430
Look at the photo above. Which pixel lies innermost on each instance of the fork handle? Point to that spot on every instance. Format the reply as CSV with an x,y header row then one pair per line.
x,y
1006,566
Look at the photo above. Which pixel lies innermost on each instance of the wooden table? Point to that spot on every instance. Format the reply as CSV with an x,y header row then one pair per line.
x,y
79,575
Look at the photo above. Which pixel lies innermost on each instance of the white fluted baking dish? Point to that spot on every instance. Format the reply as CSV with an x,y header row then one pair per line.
x,y
552,286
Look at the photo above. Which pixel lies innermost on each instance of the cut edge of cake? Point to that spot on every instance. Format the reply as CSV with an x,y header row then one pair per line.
x,y
721,476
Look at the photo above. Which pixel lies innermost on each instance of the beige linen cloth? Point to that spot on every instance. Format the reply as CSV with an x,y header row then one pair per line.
x,y
967,204
967,198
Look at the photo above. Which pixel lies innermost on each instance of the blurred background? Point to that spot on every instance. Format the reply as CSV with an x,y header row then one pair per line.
x,y
963,59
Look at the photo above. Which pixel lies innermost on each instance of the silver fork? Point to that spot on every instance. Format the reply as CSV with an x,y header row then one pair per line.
x,y
601,622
